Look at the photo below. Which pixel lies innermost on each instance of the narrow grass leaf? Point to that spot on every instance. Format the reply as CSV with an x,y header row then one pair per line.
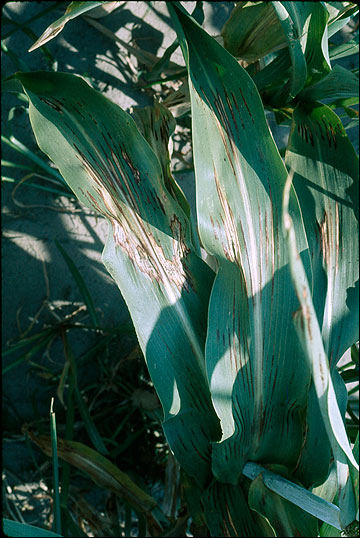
x,y
80,284
21,148
30,353
91,429
55,466
104,473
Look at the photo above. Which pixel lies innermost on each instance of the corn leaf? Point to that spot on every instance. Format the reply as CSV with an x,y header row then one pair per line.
x,y
253,30
310,336
14,528
73,10
285,518
340,83
112,169
292,16
257,372
227,513
295,494
326,181
157,124
317,43
344,50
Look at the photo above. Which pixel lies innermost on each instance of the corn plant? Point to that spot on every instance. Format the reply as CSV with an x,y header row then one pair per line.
x,y
242,351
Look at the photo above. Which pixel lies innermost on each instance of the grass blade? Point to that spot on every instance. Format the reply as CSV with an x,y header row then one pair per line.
x,y
102,472
55,464
80,284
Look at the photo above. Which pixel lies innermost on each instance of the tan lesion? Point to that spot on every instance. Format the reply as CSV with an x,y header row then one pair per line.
x,y
116,201
231,248
148,256
330,238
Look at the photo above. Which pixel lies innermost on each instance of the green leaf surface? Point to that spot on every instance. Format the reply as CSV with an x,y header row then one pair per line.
x,y
73,10
344,50
340,83
252,31
310,336
327,184
14,528
340,13
156,123
297,495
293,16
227,513
258,376
286,518
317,47
112,169
326,179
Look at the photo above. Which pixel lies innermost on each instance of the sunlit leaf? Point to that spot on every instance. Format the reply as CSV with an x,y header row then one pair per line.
x,y
310,336
285,517
73,10
112,169
257,372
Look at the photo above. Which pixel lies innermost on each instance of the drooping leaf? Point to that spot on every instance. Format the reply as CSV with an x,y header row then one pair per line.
x,y
258,375
295,494
286,518
104,473
111,168
340,83
73,10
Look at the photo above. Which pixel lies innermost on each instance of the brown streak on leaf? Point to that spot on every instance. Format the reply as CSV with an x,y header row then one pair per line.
x,y
53,103
243,98
337,237
232,249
